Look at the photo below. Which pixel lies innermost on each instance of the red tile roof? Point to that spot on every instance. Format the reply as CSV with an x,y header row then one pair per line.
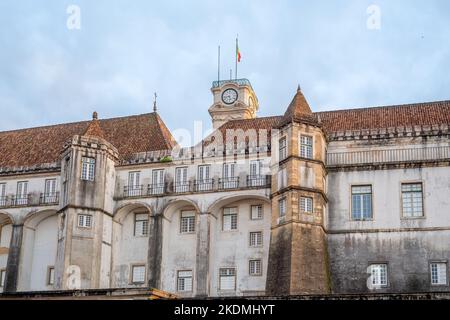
x,y
298,110
428,113
130,135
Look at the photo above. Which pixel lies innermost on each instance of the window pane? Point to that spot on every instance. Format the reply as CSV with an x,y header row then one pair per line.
x,y
138,274
256,212
227,278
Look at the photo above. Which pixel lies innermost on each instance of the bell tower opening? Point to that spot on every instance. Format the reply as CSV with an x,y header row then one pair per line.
x,y
233,100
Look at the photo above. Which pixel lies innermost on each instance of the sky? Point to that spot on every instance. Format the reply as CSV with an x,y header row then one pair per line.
x,y
344,54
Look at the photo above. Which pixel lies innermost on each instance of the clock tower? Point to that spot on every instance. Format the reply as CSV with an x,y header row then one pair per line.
x,y
233,100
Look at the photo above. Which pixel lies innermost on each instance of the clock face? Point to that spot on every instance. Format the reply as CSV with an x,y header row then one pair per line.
x,y
229,96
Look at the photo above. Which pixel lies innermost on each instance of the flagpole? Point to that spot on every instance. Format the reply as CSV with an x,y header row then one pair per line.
x,y
236,57
218,67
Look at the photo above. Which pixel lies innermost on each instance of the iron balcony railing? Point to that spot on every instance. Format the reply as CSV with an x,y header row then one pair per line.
x,y
204,185
132,191
3,202
229,183
239,82
20,200
156,188
198,186
254,181
182,187
49,198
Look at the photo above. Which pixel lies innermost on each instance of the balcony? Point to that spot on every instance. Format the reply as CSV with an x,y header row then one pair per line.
x,y
197,186
257,181
204,185
133,191
49,198
228,183
29,200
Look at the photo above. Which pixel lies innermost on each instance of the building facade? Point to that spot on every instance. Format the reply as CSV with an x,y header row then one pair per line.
x,y
346,201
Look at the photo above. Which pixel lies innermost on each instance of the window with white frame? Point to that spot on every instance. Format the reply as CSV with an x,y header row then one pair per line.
x,y
227,278
282,209
257,212
50,276
50,191
362,202
255,267
87,168
438,273
2,277
379,274
187,222
256,239
2,194
412,200
184,281
306,147
229,221
283,148
84,220
306,204
140,224
138,274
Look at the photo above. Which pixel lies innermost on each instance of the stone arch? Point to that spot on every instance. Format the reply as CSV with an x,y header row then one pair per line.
x,y
177,204
129,242
33,218
39,249
5,218
219,203
121,212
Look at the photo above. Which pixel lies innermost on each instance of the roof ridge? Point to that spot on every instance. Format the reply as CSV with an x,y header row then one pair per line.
x,y
417,104
77,122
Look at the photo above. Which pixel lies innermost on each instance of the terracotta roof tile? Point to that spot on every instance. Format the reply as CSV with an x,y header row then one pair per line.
x,y
298,110
130,135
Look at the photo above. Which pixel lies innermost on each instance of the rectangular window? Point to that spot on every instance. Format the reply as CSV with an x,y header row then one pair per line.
x,y
181,180
229,179
184,281
281,209
157,182
22,193
2,194
84,221
187,223
306,204
138,274
256,239
379,274
140,224
50,191
87,168
227,278
255,267
412,200
283,148
229,221
362,202
306,147
50,276
2,278
257,212
438,273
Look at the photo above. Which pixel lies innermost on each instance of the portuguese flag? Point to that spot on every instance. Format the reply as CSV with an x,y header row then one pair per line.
x,y
238,53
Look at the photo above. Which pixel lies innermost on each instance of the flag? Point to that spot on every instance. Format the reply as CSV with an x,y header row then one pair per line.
x,y
238,53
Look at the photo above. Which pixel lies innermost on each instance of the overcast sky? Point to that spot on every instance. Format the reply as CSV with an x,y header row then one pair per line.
x,y
126,50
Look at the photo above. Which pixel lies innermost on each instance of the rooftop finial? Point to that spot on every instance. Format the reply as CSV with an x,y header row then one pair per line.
x,y
299,88
95,115
154,102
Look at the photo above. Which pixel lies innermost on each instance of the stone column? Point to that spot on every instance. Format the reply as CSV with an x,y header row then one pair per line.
x,y
154,250
202,257
12,266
